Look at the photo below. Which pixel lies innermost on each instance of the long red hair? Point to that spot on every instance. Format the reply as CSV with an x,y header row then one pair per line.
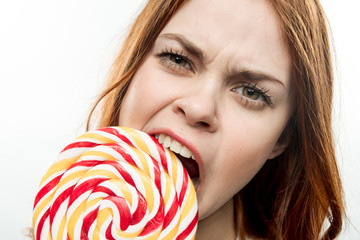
x,y
294,195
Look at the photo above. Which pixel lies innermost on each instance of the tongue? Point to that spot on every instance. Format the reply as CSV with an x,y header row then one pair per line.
x,y
190,165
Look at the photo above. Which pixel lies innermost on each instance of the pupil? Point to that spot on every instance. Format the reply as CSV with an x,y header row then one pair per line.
x,y
250,92
178,59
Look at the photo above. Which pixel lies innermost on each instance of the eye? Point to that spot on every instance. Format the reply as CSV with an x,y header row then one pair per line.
x,y
253,97
250,93
175,60
179,60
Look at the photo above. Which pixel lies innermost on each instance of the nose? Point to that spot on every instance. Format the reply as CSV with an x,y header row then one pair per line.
x,y
199,107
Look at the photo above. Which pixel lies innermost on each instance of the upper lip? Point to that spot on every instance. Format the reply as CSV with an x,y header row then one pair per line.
x,y
182,141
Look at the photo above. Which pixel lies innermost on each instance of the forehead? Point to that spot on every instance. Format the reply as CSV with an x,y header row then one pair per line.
x,y
243,33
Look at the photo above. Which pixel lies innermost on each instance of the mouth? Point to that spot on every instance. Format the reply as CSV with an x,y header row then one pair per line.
x,y
183,154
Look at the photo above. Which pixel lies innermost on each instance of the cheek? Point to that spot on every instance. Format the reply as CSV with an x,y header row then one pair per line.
x,y
143,98
249,144
241,163
132,109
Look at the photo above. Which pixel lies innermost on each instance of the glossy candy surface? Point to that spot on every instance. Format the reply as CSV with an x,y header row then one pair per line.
x,y
115,183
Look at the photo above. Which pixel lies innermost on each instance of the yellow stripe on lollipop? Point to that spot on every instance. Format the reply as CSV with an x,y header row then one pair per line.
x,y
57,167
174,163
143,151
61,228
100,154
98,137
138,139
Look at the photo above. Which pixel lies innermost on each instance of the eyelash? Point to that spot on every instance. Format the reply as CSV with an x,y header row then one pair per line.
x,y
165,60
254,104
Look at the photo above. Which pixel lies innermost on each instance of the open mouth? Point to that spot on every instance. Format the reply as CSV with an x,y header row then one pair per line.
x,y
183,154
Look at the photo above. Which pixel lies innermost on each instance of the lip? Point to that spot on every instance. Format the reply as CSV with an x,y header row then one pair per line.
x,y
184,142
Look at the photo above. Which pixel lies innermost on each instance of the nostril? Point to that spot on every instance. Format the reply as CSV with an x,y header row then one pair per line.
x,y
204,124
178,109
181,111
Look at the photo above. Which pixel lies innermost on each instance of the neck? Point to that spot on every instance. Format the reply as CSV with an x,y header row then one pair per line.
x,y
219,225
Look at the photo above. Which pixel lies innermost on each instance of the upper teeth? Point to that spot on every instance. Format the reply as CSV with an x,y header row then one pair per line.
x,y
174,145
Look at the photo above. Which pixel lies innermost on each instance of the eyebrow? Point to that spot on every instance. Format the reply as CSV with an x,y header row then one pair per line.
x,y
190,47
255,75
185,43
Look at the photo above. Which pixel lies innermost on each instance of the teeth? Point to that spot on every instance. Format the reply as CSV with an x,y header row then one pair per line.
x,y
161,138
167,142
174,146
185,152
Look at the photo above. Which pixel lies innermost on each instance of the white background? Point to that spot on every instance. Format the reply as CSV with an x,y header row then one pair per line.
x,y
53,59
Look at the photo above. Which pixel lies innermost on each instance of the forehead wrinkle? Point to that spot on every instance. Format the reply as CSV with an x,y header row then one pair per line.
x,y
220,47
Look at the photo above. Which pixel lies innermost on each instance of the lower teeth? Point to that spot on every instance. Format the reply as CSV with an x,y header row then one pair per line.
x,y
195,181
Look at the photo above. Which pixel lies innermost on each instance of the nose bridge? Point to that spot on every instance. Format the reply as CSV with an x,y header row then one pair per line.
x,y
200,102
204,95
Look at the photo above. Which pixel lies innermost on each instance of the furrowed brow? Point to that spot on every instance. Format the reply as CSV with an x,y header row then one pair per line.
x,y
185,43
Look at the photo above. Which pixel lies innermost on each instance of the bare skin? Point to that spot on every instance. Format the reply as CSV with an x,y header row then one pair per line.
x,y
217,81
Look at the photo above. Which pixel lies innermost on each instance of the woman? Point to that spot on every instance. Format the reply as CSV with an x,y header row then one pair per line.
x,y
245,89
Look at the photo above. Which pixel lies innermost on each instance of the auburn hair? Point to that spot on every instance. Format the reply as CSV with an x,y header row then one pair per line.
x,y
297,195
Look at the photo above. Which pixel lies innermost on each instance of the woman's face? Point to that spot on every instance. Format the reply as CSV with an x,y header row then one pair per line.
x,y
216,85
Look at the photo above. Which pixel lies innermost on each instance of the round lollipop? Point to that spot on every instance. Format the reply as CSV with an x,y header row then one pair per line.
x,y
115,183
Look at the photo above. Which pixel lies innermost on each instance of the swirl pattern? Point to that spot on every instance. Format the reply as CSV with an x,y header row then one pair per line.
x,y
115,183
